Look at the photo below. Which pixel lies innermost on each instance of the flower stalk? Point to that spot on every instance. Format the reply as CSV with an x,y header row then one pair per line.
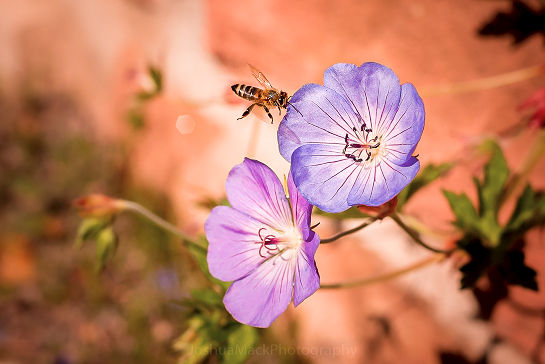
x,y
388,276
159,222
348,232
532,158
485,83
416,237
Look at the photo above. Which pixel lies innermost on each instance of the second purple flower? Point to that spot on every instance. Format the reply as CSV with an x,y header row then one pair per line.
x,y
350,142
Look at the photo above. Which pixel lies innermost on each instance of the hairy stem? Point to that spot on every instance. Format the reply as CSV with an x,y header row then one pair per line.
x,y
416,237
530,161
160,222
485,83
388,276
347,232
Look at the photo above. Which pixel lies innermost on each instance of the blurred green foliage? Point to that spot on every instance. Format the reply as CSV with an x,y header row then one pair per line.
x,y
489,244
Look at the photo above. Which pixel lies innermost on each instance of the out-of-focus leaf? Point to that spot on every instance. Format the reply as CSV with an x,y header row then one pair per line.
x,y
157,79
427,175
478,263
200,257
516,272
503,263
89,229
194,345
239,345
106,245
529,212
209,203
490,193
206,296
495,177
135,116
466,216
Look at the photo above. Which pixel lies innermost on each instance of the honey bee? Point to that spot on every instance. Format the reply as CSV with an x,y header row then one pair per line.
x,y
268,97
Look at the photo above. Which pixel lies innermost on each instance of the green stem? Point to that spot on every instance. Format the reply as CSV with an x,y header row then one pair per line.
x,y
160,222
485,83
347,232
415,236
530,162
388,276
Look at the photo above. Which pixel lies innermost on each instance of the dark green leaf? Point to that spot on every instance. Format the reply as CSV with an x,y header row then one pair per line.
x,y
135,116
466,216
209,203
516,272
89,229
490,193
106,245
495,177
206,296
427,175
200,257
478,263
529,212
239,345
157,78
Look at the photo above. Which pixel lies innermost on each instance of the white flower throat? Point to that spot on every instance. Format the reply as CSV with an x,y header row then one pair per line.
x,y
284,243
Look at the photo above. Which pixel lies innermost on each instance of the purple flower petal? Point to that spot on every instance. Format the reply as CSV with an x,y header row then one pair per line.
x,y
401,135
300,208
324,176
307,279
234,243
372,89
323,117
259,298
382,181
254,189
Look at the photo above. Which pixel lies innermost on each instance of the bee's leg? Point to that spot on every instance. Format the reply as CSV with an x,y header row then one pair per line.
x,y
267,111
247,112
278,106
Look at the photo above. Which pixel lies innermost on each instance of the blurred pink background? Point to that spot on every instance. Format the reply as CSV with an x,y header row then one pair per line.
x,y
97,53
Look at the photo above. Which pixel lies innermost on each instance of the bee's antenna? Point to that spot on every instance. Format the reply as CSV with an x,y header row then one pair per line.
x,y
294,108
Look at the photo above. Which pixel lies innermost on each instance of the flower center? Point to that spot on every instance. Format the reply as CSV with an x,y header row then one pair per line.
x,y
284,244
362,146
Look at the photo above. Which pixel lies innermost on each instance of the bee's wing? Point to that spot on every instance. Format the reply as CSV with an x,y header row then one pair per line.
x,y
260,77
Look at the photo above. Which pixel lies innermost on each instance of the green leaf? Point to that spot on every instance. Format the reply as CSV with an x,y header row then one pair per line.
x,y
106,245
495,177
209,203
490,193
89,229
194,344
466,216
200,257
207,296
529,212
427,175
239,345
157,78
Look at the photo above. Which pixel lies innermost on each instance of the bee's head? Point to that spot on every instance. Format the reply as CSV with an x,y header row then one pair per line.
x,y
283,99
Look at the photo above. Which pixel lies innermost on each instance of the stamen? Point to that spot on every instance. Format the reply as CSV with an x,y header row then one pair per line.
x,y
266,243
354,148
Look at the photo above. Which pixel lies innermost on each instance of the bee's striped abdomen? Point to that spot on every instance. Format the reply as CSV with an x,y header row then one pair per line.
x,y
246,92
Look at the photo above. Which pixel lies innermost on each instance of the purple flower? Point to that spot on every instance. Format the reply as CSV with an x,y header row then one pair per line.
x,y
350,142
262,244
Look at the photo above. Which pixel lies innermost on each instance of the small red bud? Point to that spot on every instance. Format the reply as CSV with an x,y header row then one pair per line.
x,y
98,205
